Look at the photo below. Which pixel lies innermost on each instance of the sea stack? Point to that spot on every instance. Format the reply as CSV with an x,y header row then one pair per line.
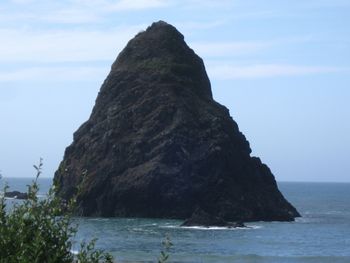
x,y
158,145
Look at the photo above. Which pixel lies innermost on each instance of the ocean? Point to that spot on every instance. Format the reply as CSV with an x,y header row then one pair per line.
x,y
322,234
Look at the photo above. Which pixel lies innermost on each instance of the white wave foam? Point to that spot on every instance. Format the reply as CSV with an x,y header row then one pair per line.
x,y
304,220
10,198
98,219
254,226
249,227
149,225
138,229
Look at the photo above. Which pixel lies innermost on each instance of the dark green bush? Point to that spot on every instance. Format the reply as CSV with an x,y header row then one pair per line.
x,y
40,230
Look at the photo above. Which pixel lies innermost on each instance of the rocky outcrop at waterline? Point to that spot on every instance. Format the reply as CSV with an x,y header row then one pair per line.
x,y
203,219
16,195
158,145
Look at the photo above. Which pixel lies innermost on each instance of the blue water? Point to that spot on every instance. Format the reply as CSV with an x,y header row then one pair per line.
x,y
321,235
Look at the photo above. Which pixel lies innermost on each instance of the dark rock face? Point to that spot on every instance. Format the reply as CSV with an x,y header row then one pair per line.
x,y
16,195
158,145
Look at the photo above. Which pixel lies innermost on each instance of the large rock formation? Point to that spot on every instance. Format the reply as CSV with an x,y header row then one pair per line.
x,y
158,145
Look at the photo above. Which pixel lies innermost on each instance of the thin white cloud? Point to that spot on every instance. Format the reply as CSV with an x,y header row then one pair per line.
x,y
226,72
23,1
123,5
233,48
54,74
198,4
73,11
70,16
219,49
316,4
192,25
68,45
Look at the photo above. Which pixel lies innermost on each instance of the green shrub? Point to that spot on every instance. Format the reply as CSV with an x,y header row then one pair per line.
x,y
40,230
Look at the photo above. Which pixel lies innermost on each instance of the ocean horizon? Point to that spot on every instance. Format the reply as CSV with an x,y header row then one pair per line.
x,y
322,234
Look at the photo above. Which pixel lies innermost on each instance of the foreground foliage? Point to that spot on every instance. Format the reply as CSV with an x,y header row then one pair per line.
x,y
39,230
164,254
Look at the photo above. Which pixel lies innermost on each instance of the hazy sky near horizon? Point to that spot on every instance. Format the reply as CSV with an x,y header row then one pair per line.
x,y
281,67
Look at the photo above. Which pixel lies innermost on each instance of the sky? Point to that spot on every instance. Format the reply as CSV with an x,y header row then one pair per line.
x,y
281,67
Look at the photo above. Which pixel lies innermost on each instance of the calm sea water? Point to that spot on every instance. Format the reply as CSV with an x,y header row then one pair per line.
x,y
321,235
